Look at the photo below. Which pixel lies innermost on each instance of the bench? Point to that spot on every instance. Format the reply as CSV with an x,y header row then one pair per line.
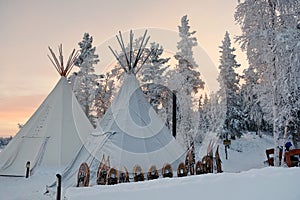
x,y
292,157
270,156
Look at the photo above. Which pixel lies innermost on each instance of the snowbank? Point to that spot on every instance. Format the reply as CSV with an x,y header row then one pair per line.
x,y
268,183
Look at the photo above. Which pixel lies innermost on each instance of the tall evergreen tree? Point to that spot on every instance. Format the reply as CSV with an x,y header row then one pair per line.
x,y
185,79
84,81
229,87
187,65
153,79
252,111
269,35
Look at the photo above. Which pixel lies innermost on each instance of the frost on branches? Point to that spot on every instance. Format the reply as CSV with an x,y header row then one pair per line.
x,y
104,93
153,77
252,109
229,88
270,36
187,66
186,81
84,82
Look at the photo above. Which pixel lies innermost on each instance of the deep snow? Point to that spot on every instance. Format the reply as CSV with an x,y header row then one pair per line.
x,y
267,183
245,177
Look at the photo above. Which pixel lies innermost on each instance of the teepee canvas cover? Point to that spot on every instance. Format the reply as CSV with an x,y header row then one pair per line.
x,y
137,135
51,137
129,133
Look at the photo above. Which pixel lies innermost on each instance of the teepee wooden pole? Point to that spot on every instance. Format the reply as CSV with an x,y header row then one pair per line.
x,y
61,57
58,63
130,47
132,62
121,42
141,49
118,59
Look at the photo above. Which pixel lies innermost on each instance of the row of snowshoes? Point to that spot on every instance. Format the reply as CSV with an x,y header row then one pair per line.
x,y
110,176
208,164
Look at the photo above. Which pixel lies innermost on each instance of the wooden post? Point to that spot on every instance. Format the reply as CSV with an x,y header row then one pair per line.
x,y
227,144
27,169
58,183
226,154
174,114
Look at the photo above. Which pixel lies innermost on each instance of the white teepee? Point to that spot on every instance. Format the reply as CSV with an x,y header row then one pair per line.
x,y
53,135
130,132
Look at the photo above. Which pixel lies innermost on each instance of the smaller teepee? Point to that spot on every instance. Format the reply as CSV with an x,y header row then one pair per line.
x,y
53,134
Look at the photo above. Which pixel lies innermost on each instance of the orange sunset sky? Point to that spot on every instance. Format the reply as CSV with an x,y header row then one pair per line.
x,y
28,27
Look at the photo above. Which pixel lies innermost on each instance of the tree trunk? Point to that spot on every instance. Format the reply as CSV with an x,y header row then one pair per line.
x,y
275,126
274,81
284,141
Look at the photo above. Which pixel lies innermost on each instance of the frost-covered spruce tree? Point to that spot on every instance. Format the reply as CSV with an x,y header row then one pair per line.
x,y
215,111
186,81
255,18
187,65
229,87
252,110
104,93
155,66
203,118
152,76
288,50
206,118
266,36
84,81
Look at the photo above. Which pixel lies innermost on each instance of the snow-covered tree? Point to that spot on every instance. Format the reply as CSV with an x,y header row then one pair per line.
x,y
229,87
270,37
152,77
215,110
252,110
203,118
186,81
187,65
155,67
84,82
104,94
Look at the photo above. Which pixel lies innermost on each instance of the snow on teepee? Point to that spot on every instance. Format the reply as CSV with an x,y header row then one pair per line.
x,y
53,134
130,133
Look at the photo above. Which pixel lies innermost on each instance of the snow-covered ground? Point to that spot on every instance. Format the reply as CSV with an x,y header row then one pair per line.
x,y
267,183
245,177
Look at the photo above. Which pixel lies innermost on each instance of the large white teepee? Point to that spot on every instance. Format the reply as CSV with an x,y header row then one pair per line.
x,y
52,136
130,132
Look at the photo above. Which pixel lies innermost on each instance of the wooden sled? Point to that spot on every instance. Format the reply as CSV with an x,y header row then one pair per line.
x,y
200,168
152,173
123,175
167,171
112,176
83,177
181,170
103,171
292,158
138,174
